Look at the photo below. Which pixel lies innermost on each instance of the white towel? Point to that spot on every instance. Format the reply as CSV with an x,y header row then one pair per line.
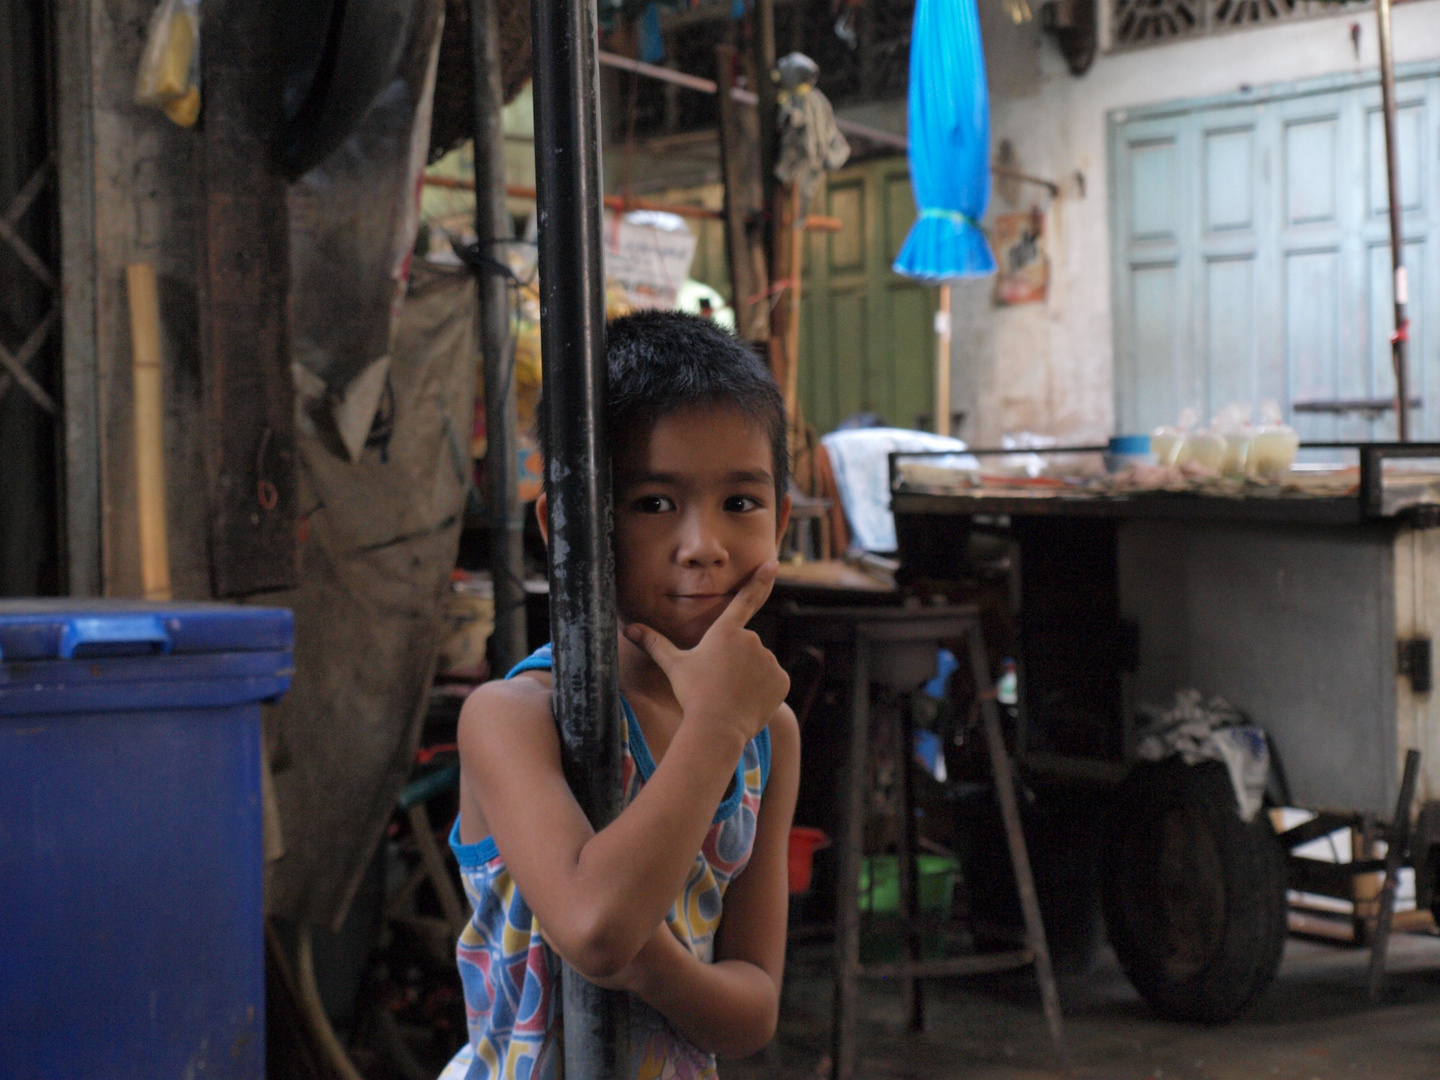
x,y
860,458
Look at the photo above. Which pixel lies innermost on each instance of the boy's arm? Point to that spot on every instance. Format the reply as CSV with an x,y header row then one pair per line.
x,y
731,1007
600,896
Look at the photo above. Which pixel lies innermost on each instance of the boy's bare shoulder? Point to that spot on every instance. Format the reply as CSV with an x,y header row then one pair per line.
x,y
785,732
505,707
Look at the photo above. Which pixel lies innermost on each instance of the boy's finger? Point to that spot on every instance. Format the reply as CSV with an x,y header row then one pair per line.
x,y
752,596
656,645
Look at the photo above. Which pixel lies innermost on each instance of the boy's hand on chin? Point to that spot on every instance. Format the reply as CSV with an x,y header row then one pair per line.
x,y
729,677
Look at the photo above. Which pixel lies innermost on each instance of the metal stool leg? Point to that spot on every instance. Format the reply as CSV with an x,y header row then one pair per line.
x,y
909,886
850,848
1019,856
1395,852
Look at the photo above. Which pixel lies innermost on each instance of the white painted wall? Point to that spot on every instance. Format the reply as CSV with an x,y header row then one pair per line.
x,y
1048,367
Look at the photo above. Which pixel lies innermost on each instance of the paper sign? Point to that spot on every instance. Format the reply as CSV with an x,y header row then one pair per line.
x,y
649,264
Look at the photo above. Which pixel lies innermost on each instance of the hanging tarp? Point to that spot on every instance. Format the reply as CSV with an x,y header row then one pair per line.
x,y
380,537
353,219
384,385
949,129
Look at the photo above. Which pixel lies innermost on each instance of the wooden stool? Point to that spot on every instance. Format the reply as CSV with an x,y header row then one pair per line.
x,y
809,529
896,648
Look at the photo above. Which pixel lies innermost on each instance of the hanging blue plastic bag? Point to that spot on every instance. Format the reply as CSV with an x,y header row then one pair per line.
x,y
949,122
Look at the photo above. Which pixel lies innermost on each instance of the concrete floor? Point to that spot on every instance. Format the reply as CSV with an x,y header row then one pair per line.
x,y
1313,1023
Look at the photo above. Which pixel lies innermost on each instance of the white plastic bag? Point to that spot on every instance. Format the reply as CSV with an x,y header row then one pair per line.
x,y
1214,731
169,76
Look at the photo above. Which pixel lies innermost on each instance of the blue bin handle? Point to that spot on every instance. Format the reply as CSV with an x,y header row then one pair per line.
x,y
117,630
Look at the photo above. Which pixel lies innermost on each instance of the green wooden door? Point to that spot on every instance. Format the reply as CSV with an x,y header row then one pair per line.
x,y
867,338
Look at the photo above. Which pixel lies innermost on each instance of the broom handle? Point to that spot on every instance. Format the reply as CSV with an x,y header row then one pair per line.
x,y
149,430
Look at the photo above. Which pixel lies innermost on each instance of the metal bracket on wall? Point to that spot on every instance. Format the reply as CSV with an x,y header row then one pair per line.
x,y
1413,660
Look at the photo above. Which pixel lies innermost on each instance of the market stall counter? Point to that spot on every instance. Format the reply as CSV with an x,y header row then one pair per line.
x,y
1307,602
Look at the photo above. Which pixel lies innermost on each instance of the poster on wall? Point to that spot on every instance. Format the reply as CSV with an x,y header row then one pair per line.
x,y
1023,273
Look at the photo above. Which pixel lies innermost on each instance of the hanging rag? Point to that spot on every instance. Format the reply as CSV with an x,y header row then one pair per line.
x,y
860,458
810,142
1214,731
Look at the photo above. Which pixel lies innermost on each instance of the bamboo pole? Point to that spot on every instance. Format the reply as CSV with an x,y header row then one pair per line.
x,y
942,362
149,430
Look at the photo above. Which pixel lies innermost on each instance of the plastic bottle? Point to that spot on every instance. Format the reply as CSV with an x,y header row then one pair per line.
x,y
1204,448
1233,425
1007,689
1167,443
1275,445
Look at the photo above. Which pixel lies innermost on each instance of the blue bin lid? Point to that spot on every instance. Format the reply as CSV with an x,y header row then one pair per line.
x,y
68,629
86,656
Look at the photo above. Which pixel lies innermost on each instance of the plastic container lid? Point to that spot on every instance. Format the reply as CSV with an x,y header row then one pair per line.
x,y
68,629
1130,444
86,656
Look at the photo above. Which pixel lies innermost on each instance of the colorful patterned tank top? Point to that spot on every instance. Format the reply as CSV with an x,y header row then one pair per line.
x,y
512,978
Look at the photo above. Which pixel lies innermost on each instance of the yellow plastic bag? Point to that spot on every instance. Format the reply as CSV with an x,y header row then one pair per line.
x,y
169,76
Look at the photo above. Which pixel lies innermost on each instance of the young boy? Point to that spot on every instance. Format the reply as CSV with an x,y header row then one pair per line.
x,y
681,901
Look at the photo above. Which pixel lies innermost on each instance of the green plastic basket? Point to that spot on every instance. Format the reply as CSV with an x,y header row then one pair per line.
x,y
880,883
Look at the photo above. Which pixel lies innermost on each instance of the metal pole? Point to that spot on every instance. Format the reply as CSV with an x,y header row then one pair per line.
x,y
845,1006
1399,341
582,590
1396,849
507,530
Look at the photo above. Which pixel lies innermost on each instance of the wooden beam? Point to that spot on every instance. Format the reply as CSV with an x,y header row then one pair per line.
x,y
815,222
794,239
744,205
75,133
745,97
244,286
149,399
767,92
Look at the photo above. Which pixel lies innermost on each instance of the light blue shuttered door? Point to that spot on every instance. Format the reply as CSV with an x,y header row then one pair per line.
x,y
1251,253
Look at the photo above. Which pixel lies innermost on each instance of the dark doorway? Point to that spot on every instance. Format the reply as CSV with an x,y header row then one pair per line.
x,y
30,404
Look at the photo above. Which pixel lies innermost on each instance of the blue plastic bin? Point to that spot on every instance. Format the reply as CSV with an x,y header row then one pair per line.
x,y
131,909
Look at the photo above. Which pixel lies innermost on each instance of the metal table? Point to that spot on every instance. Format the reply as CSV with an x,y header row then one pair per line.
x,y
1314,615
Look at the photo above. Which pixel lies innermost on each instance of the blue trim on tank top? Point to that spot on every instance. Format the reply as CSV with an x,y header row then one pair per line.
x,y
482,851
543,659
471,855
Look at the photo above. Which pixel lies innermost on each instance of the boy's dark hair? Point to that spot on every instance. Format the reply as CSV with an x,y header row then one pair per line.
x,y
663,361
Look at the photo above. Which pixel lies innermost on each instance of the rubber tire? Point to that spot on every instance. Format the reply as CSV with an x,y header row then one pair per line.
x,y
1194,898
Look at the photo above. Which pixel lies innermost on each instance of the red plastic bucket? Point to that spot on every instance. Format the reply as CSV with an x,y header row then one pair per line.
x,y
804,842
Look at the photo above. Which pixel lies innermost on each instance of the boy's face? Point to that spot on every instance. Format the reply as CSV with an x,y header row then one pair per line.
x,y
695,515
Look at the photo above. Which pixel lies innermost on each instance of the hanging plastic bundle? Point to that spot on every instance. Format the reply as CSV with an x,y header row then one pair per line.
x,y
810,142
169,76
949,126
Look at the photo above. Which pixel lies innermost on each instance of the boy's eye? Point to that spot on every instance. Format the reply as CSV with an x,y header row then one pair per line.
x,y
739,504
654,504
